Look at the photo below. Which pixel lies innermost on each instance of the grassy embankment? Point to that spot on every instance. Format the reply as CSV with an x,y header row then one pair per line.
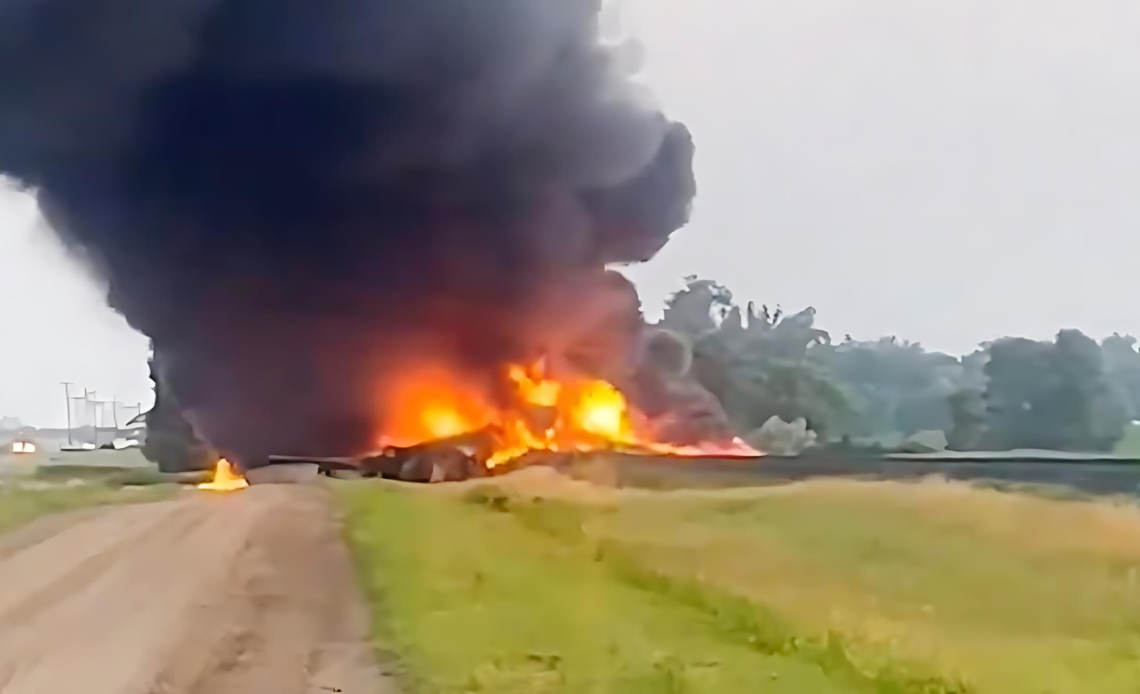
x,y
27,496
527,586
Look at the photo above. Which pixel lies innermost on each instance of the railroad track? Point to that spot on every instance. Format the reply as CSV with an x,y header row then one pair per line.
x,y
1093,476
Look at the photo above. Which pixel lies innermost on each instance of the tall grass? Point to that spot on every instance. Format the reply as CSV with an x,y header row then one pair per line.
x,y
475,601
876,587
490,591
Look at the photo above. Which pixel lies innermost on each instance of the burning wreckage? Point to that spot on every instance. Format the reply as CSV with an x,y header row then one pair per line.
x,y
445,431
361,225
446,434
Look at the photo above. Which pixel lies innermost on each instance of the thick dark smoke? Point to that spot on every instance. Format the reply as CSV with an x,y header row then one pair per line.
x,y
294,198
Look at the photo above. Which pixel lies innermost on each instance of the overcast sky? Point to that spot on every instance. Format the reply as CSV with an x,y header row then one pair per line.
x,y
948,171
56,326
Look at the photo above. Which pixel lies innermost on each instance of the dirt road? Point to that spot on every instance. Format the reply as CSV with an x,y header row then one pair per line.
x,y
248,592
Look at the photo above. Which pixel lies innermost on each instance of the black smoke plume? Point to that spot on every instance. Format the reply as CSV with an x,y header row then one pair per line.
x,y
293,198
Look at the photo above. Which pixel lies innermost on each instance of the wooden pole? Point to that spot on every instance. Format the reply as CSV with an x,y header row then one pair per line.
x,y
67,401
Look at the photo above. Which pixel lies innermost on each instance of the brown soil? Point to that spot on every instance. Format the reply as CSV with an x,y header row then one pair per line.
x,y
208,594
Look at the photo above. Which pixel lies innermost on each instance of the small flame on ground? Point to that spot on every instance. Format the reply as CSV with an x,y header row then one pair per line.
x,y
226,478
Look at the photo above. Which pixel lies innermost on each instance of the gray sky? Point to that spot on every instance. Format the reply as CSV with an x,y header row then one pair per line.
x,y
948,171
55,325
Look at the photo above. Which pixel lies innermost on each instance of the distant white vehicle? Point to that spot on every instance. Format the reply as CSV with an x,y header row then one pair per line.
x,y
134,429
23,447
132,434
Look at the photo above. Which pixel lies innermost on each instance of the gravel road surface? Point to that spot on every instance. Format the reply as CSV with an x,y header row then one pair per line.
x,y
214,594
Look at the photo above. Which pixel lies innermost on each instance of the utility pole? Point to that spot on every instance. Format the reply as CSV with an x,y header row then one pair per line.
x,y
67,401
101,417
93,407
80,409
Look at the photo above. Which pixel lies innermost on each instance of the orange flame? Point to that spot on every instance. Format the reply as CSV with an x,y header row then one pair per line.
x,y
226,478
560,415
601,409
535,389
429,403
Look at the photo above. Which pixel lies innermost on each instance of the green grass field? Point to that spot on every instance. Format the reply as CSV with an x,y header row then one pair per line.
x,y
21,505
538,584
47,482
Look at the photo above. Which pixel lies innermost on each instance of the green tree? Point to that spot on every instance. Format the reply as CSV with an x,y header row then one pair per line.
x,y
968,404
1068,394
894,386
698,308
1122,366
755,362
1051,395
968,419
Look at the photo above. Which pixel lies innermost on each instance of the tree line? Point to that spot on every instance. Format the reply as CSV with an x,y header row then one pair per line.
x,y
1071,393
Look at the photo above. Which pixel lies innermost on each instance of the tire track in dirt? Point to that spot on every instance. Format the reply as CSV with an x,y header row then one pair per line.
x,y
249,592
